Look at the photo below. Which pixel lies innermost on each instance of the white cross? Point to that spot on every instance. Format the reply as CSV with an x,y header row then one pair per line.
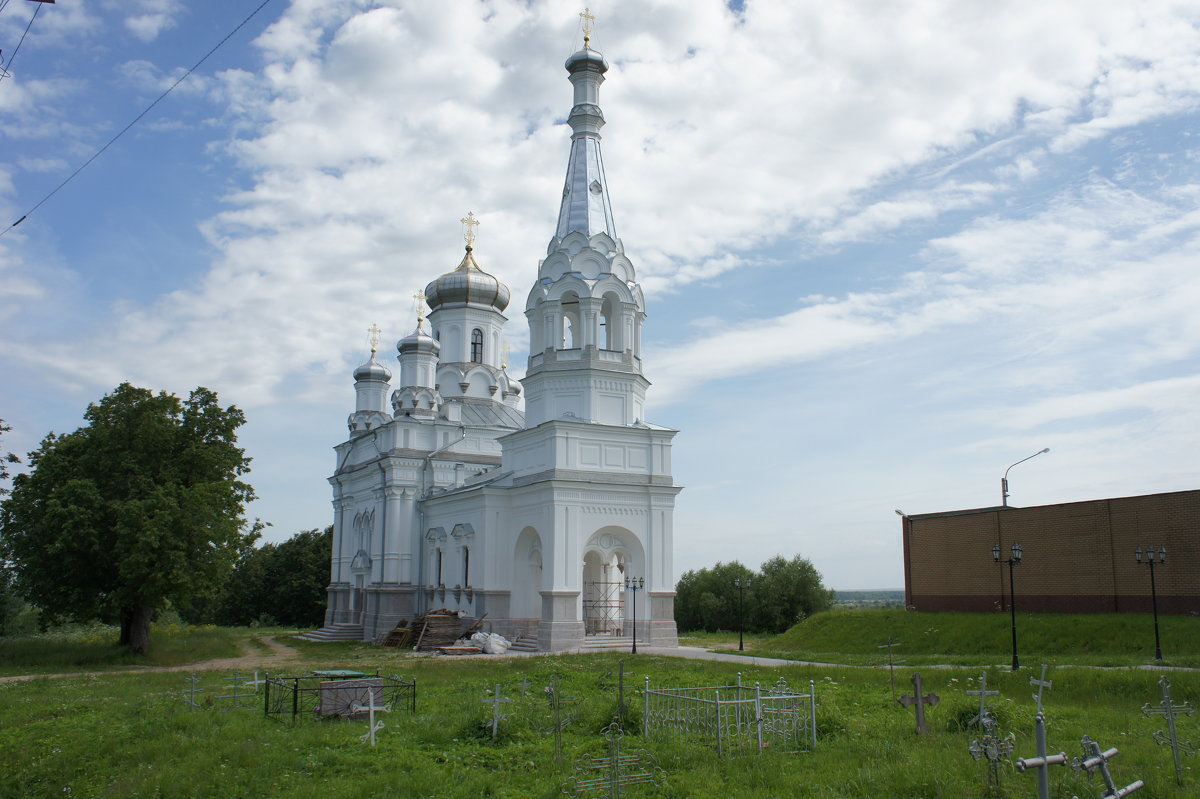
x,y
372,725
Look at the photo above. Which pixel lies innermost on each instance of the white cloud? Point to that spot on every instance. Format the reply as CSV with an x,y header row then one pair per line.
x,y
152,17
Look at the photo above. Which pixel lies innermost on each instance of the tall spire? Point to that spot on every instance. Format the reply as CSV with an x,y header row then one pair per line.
x,y
585,205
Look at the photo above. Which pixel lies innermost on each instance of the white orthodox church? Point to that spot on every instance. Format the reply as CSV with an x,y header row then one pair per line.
x,y
446,495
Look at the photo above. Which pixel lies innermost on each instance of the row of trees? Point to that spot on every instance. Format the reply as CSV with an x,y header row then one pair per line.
x,y
780,594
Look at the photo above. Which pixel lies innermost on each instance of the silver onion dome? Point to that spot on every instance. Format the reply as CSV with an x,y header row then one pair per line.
x,y
373,370
467,285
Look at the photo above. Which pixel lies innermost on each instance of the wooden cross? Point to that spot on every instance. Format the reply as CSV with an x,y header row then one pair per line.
x,y
1042,683
523,685
983,693
1042,761
497,716
373,726
920,701
469,224
1168,708
1094,759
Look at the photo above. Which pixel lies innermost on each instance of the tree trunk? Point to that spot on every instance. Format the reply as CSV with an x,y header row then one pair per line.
x,y
135,628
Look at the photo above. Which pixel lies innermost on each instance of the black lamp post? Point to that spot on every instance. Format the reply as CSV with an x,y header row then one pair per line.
x,y
1162,561
634,585
1012,562
741,585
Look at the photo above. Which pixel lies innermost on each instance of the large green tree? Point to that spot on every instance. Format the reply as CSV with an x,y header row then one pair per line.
x,y
142,505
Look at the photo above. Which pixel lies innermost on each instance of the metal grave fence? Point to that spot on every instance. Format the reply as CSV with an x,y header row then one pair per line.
x,y
736,719
335,694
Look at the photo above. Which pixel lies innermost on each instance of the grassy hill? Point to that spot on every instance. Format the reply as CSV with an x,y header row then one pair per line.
x,y
855,636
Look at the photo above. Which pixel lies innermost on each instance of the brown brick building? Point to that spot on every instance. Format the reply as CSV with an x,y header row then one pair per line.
x,y
1078,556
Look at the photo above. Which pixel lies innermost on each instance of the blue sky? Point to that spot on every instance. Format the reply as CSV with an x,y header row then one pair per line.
x,y
888,249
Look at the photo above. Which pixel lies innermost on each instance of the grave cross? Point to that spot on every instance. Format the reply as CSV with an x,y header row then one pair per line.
x,y
1168,708
890,646
373,726
238,682
1042,761
1093,759
920,701
191,691
983,693
615,772
523,685
1042,683
994,749
557,701
497,716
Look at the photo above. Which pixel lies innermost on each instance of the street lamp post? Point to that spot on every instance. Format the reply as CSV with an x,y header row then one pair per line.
x,y
1162,561
1012,562
634,585
741,585
1004,479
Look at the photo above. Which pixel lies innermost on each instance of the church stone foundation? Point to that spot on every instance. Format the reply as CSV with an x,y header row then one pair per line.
x,y
560,628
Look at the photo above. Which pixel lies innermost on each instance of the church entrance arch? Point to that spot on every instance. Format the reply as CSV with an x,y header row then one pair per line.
x,y
609,555
527,576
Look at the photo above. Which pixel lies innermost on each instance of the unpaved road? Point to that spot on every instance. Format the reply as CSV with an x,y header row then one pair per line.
x,y
250,659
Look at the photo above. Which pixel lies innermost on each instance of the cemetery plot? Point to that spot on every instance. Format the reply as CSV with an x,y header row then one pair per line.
x,y
735,719
330,694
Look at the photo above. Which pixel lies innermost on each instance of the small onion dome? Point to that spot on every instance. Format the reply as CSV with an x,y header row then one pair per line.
x,y
467,285
512,385
372,370
418,341
587,58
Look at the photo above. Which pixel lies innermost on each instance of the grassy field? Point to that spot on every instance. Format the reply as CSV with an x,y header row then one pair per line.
x,y
854,637
131,734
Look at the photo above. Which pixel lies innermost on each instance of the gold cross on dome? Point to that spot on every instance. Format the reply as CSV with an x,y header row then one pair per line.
x,y
419,299
588,24
504,359
469,224
373,332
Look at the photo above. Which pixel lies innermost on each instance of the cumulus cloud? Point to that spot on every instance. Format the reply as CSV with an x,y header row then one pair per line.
x,y
149,18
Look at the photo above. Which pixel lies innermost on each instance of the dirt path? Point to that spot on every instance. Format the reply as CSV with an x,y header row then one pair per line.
x,y
249,660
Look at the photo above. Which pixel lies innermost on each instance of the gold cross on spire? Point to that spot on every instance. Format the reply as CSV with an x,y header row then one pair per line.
x,y
419,300
373,332
588,23
469,224
504,358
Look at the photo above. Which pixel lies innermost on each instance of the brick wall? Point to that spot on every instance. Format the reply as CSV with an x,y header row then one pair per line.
x,y
1078,556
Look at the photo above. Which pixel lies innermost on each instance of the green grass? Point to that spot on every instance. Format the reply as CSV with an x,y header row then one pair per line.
x,y
94,647
154,746
854,637
132,735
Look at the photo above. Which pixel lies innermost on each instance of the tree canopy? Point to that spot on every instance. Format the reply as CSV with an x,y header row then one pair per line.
x,y
142,505
280,583
781,593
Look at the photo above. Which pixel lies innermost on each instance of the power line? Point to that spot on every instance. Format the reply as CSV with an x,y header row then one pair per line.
x,y
136,119
17,49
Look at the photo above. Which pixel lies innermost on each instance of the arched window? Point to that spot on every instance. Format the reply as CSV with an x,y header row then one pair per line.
x,y
476,346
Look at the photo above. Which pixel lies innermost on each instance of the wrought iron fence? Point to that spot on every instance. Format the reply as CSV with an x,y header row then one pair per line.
x,y
335,695
736,719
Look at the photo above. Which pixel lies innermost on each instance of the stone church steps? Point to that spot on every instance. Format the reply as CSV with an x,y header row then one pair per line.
x,y
603,642
335,632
